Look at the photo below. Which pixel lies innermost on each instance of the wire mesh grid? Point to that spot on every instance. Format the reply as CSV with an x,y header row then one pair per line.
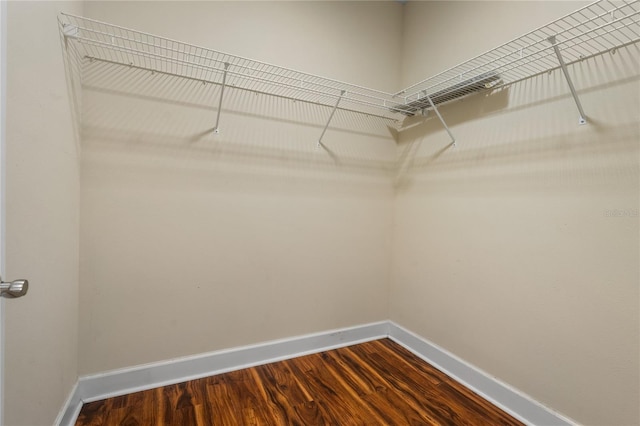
x,y
94,40
594,29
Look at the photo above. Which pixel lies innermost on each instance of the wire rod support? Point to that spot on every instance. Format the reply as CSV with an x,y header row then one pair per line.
x,y
216,129
583,117
444,124
597,28
333,111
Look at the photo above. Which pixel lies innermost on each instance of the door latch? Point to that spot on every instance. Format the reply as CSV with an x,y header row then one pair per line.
x,y
13,289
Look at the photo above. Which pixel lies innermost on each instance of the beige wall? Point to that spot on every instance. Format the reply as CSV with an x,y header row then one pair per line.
x,y
42,231
503,252
357,42
440,34
193,242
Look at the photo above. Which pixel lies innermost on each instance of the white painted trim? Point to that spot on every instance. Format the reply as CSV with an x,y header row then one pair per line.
x,y
148,376
71,408
3,183
509,399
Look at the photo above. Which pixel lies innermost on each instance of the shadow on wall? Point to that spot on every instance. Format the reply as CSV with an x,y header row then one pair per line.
x,y
418,128
526,133
527,136
476,106
169,121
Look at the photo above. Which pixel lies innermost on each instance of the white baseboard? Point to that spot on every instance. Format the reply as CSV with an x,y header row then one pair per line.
x,y
149,376
123,381
509,399
71,408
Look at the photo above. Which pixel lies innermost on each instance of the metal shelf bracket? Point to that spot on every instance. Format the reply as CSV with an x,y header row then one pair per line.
x,y
597,28
444,124
582,119
69,31
216,129
333,111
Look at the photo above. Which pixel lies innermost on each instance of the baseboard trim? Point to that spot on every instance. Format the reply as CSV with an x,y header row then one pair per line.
x,y
71,408
509,399
148,376
142,377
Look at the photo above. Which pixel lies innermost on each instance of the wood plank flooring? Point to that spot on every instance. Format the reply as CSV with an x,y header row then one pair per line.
x,y
373,383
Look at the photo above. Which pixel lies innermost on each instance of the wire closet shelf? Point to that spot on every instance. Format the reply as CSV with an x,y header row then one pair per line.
x,y
600,27
90,40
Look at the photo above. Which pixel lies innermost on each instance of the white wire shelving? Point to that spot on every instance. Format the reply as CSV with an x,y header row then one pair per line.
x,y
599,27
94,40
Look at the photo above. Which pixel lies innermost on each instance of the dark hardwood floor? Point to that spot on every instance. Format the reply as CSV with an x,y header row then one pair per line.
x,y
374,383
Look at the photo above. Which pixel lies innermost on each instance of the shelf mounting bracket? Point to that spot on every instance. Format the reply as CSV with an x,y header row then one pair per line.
x,y
583,117
216,129
333,111
444,124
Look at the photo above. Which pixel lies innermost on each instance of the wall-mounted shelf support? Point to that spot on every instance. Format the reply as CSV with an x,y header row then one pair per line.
x,y
582,119
216,129
333,111
596,28
444,124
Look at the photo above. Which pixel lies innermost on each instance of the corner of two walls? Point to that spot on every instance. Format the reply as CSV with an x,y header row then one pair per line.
x,y
502,249
42,218
517,250
193,241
